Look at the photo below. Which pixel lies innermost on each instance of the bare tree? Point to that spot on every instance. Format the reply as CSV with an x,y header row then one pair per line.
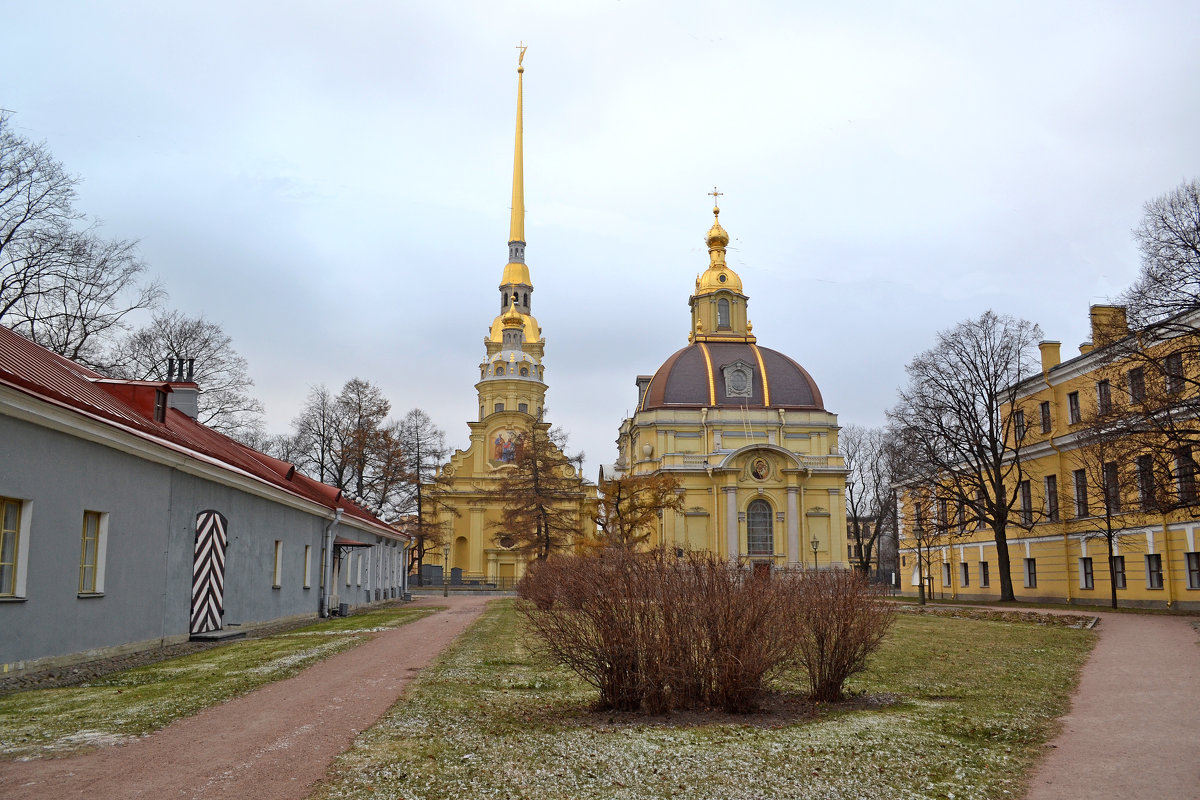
x,y
631,506
220,371
872,464
347,441
424,447
1169,240
542,492
1160,356
957,417
61,284
317,432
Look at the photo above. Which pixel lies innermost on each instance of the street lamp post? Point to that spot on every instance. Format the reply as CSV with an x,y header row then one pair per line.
x,y
445,570
816,544
919,532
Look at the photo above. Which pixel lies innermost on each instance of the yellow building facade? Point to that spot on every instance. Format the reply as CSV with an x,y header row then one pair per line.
x,y
745,431
1058,547
511,396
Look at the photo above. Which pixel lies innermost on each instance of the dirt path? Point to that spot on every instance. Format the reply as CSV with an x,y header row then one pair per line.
x,y
271,744
1135,719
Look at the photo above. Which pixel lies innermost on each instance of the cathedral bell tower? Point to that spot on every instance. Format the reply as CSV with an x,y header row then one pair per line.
x,y
719,306
510,377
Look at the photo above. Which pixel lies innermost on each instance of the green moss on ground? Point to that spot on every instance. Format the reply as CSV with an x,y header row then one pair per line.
x,y
949,708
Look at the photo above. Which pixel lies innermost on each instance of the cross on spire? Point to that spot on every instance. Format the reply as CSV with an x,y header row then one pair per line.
x,y
715,194
522,47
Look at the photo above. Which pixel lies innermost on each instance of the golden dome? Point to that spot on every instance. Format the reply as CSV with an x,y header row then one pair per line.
x,y
515,273
716,237
718,275
512,318
533,333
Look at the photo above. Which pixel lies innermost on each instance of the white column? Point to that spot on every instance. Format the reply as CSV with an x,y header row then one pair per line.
x,y
731,522
793,524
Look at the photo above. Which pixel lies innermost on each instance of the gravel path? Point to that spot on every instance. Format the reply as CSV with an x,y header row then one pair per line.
x,y
1135,718
271,744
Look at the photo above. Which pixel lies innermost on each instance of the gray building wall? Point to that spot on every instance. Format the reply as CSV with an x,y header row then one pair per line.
x,y
151,510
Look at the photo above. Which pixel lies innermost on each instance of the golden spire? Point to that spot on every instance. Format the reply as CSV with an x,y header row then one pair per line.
x,y
718,275
516,230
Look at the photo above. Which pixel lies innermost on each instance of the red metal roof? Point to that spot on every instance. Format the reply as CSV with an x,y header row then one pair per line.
x,y
36,371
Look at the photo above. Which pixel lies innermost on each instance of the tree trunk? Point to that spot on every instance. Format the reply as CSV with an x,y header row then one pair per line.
x,y
1003,564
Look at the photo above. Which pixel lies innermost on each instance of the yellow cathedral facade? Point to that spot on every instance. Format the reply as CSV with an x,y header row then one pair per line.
x,y
745,431
511,397
742,427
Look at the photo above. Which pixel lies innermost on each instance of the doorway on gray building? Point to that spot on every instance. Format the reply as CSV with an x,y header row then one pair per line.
x,y
208,572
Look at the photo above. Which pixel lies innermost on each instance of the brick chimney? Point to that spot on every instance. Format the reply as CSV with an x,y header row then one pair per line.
x,y
1109,324
1051,354
185,393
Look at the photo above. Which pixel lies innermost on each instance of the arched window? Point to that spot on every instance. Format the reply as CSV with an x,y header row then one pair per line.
x,y
722,313
760,540
525,300
525,372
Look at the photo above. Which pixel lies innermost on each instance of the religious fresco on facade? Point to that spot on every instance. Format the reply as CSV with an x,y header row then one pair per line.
x,y
504,446
760,469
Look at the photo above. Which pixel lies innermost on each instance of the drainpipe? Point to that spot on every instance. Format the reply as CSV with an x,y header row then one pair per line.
x,y
1166,568
328,593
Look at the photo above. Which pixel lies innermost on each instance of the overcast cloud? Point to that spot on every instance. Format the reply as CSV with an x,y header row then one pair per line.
x,y
330,181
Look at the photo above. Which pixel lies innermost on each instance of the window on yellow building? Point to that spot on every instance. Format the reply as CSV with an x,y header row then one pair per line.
x,y
1173,367
1051,482
1086,579
965,576
945,573
1019,425
1154,571
1081,498
723,313
1112,487
1145,481
1103,397
1185,475
1073,415
1136,380
1193,569
1026,504
1031,573
1119,571
1044,413
985,579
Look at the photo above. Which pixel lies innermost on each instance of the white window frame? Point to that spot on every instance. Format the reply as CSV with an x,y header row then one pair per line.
x,y
1087,577
1031,573
945,573
308,566
964,574
1191,563
985,578
21,565
1152,574
277,572
101,551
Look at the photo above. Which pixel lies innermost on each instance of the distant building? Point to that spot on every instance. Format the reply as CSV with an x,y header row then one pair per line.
x,y
511,396
126,524
885,564
745,430
1057,533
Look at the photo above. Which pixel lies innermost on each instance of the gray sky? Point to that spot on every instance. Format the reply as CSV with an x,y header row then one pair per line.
x,y
330,181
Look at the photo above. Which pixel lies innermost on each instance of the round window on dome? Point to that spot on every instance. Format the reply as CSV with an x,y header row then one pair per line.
x,y
721,278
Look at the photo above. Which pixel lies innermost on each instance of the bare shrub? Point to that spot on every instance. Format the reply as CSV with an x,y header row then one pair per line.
x,y
843,619
653,632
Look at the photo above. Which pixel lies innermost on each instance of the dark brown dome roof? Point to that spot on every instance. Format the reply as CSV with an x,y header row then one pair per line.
x,y
683,379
